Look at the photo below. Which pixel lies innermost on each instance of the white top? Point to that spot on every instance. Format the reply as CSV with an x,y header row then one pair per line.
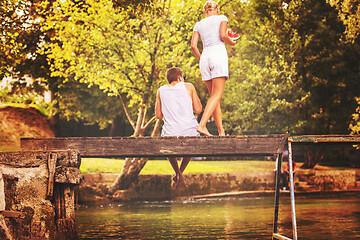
x,y
177,109
209,30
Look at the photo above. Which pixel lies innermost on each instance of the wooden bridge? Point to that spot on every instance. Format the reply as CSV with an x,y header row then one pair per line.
x,y
61,156
254,145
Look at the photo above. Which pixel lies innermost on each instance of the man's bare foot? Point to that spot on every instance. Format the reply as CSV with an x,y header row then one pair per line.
x,y
203,130
174,182
181,181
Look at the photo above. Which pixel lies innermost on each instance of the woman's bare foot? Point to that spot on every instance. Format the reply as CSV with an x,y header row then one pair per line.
x,y
181,181
221,131
203,130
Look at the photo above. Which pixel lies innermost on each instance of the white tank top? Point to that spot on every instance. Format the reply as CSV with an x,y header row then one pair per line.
x,y
177,109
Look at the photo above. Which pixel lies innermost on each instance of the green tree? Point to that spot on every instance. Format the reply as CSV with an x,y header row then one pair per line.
x,y
355,124
125,51
11,50
24,43
349,13
292,70
262,95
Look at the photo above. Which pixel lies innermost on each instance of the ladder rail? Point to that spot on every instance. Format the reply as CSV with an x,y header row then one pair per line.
x,y
292,194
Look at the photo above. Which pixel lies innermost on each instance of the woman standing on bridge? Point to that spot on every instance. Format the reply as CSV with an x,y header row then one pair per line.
x,y
213,61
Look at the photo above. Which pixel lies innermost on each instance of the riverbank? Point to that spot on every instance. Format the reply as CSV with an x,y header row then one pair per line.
x,y
157,187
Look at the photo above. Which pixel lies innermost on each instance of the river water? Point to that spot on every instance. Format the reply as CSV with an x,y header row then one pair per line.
x,y
318,217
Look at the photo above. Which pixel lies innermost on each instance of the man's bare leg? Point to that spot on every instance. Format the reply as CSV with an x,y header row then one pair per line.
x,y
175,166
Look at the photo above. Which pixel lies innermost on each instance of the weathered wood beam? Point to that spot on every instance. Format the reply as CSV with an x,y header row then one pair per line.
x,y
12,214
162,146
22,159
69,175
326,139
52,159
2,193
29,159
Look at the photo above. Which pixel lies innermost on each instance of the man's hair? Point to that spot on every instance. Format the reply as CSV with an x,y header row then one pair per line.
x,y
173,73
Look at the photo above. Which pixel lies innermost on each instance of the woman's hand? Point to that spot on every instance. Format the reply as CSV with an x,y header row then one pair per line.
x,y
223,34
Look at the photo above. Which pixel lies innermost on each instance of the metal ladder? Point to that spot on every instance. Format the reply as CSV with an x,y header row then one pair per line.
x,y
279,158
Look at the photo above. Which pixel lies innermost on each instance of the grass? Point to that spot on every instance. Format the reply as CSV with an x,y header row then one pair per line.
x,y
104,165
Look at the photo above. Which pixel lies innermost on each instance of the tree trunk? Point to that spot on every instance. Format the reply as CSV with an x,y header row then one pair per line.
x,y
115,129
313,157
129,174
133,166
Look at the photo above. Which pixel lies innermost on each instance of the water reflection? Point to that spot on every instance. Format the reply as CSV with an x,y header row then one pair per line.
x,y
222,218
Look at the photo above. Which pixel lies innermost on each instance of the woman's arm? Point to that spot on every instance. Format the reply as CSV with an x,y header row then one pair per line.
x,y
223,34
194,42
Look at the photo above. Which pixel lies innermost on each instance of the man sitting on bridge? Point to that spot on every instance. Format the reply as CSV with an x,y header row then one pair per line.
x,y
176,102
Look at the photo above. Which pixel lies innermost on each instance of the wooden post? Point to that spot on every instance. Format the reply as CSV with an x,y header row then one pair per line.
x,y
65,211
64,178
3,225
2,194
52,159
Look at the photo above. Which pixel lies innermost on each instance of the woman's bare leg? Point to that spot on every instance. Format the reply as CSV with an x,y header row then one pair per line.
x,y
184,162
218,120
217,112
216,88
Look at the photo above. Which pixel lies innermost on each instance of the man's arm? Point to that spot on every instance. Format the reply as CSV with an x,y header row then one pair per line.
x,y
197,106
158,112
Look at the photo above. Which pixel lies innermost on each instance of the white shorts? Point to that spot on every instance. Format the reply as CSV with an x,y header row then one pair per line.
x,y
214,63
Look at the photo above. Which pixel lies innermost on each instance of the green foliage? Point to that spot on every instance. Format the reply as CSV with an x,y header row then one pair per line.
x,y
355,125
290,71
11,24
349,13
25,98
122,50
79,102
262,95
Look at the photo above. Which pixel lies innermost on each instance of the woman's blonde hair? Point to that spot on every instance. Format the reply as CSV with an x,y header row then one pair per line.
x,y
210,5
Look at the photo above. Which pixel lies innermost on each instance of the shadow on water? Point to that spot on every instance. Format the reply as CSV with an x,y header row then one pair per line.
x,y
222,218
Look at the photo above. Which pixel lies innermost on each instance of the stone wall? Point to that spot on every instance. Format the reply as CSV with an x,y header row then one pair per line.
x,y
31,214
327,180
157,187
36,194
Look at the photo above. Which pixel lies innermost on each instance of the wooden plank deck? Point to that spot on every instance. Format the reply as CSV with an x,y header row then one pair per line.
x,y
267,145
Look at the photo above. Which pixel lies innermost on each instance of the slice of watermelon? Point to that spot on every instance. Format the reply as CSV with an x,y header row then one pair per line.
x,y
234,36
